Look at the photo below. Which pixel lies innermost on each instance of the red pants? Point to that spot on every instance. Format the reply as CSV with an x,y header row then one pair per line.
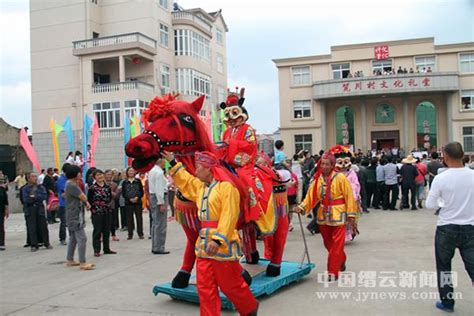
x,y
213,275
189,254
275,244
334,238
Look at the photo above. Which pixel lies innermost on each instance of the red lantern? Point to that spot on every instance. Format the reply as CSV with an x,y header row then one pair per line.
x,y
136,60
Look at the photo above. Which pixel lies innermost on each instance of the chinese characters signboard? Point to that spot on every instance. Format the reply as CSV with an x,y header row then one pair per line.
x,y
345,126
381,52
426,128
380,85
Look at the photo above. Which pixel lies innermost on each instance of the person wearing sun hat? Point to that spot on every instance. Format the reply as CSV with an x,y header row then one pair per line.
x,y
219,196
408,173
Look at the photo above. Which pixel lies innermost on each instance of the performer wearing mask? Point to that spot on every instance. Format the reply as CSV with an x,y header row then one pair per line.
x,y
338,207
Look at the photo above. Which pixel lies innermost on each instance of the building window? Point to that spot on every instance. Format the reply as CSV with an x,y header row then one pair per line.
x,y
381,67
466,62
426,131
164,3
220,63
384,114
107,114
164,35
304,142
219,36
301,109
345,126
192,82
190,43
467,99
165,78
425,63
300,75
134,106
340,71
95,1
468,138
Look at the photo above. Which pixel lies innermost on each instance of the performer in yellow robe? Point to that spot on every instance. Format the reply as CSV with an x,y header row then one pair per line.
x,y
218,247
337,206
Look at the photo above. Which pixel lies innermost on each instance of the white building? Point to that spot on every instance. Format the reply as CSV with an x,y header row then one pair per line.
x,y
110,58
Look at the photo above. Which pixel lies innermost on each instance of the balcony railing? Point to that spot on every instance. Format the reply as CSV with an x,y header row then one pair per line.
x,y
111,132
115,40
122,86
192,17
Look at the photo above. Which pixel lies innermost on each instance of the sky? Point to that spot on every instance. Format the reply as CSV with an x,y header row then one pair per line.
x,y
259,31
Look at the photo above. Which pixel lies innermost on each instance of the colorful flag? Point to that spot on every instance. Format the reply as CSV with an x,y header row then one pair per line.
x,y
207,120
126,135
29,150
95,138
133,129
67,127
85,141
55,130
215,127
222,125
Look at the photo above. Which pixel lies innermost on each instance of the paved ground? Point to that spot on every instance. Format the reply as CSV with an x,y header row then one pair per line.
x,y
390,242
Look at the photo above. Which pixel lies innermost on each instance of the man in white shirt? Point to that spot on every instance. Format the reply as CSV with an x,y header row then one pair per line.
x,y
41,176
158,188
453,192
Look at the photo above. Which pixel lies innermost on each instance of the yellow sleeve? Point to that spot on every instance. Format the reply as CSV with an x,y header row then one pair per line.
x,y
310,199
187,184
230,203
345,186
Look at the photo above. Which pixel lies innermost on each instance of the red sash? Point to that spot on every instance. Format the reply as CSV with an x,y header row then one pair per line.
x,y
209,224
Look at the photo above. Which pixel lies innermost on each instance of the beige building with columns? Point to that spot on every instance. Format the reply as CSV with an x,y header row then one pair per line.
x,y
359,95
109,58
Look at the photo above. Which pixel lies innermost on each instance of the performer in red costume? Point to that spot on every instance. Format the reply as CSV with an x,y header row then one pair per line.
x,y
240,152
275,243
216,191
241,147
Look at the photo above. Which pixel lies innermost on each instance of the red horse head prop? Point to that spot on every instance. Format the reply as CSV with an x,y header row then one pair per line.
x,y
174,125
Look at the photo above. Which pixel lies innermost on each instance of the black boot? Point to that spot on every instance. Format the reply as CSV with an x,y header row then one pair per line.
x,y
254,313
273,271
247,277
254,257
181,280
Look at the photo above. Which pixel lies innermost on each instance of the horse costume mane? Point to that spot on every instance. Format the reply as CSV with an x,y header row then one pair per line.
x,y
172,125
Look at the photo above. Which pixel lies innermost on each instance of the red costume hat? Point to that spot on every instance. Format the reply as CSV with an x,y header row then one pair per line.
x,y
343,157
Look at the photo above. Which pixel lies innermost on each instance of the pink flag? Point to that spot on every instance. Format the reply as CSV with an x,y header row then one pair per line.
x,y
29,150
95,138
208,123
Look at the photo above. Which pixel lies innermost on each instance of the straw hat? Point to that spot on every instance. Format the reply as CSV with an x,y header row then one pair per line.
x,y
409,160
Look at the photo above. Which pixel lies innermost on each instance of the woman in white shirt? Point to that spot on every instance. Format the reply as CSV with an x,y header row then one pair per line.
x,y
70,158
78,160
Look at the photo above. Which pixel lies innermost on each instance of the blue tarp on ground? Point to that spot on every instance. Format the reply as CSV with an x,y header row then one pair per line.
x,y
261,284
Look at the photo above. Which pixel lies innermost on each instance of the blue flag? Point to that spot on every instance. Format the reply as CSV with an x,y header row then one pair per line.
x,y
85,141
67,127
